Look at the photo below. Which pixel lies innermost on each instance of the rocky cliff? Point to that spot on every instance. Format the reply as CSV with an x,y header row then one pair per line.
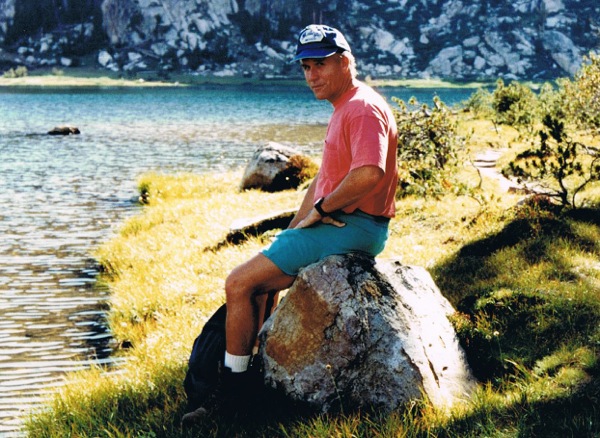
x,y
454,39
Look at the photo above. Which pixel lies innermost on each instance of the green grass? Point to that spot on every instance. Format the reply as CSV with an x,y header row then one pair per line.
x,y
524,277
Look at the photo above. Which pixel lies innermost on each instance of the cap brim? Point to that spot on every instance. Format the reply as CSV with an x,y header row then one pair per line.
x,y
314,53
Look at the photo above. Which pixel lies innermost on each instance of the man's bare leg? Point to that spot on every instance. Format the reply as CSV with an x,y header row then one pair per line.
x,y
246,289
246,286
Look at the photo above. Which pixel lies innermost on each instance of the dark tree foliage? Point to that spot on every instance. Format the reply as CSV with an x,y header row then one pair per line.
x,y
561,166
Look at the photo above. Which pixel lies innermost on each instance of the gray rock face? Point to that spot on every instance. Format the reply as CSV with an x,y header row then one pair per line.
x,y
457,39
352,335
7,14
563,51
181,24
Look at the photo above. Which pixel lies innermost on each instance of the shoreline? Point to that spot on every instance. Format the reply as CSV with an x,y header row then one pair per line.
x,y
99,79
74,81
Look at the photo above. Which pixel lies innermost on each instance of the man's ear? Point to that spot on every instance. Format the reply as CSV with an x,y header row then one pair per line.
x,y
345,62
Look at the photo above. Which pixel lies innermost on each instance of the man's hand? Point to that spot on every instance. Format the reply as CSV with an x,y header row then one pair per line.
x,y
313,217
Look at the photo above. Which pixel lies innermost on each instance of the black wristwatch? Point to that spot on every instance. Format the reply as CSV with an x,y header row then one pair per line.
x,y
319,209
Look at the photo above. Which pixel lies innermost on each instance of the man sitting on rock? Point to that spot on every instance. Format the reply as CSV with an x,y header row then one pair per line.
x,y
347,207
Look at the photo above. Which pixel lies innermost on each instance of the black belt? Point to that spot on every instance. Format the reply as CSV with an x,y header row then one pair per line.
x,y
378,219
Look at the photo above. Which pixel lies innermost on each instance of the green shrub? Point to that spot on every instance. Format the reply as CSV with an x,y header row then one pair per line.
x,y
480,104
551,101
582,95
560,166
427,147
514,105
19,72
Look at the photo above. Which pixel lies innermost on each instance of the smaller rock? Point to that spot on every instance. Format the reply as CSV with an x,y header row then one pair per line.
x,y
104,58
471,42
275,167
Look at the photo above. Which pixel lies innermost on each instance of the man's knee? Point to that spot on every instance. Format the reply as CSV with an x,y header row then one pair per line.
x,y
257,276
237,286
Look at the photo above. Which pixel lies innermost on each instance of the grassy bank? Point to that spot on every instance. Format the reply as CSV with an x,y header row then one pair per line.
x,y
525,279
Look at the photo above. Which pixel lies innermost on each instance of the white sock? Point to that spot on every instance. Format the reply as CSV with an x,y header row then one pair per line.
x,y
237,364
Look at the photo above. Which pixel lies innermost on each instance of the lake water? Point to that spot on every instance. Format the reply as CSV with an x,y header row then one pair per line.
x,y
61,197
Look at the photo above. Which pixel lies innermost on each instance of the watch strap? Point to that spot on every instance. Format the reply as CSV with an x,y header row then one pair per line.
x,y
319,208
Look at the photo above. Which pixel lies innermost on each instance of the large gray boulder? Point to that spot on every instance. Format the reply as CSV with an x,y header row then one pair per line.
x,y
351,334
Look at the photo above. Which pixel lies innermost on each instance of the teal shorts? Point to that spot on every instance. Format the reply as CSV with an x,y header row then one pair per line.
x,y
294,249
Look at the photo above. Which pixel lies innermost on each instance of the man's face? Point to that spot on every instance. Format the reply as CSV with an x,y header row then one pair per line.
x,y
328,78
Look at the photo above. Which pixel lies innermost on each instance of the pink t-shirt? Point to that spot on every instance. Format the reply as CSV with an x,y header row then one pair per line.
x,y
362,132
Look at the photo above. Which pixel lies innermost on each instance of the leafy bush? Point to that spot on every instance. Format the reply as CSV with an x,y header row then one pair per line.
x,y
582,96
551,101
427,147
19,72
480,104
515,105
561,166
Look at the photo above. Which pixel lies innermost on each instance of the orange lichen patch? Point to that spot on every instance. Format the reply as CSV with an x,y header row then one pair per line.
x,y
288,345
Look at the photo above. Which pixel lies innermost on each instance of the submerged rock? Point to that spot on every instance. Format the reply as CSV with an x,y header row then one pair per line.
x,y
64,130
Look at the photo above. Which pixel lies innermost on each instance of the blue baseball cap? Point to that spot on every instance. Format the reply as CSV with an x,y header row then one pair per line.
x,y
320,41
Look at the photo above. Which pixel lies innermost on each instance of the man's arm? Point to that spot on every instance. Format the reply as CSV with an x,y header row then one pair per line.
x,y
307,204
353,187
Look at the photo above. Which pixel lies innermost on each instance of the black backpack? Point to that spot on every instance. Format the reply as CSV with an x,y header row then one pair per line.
x,y
207,354
203,365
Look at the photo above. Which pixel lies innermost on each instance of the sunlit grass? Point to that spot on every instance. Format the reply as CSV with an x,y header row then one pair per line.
x,y
161,262
525,282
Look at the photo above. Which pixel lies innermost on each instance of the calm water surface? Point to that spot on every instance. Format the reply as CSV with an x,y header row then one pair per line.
x,y
61,197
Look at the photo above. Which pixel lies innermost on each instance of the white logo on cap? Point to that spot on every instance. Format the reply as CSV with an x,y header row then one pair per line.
x,y
311,34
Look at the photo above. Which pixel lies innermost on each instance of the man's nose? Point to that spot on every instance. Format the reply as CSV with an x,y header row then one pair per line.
x,y
311,75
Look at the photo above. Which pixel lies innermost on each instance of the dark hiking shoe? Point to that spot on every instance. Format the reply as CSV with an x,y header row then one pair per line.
x,y
232,396
195,417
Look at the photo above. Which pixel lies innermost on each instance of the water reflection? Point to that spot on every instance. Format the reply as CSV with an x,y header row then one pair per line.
x,y
52,311
55,210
